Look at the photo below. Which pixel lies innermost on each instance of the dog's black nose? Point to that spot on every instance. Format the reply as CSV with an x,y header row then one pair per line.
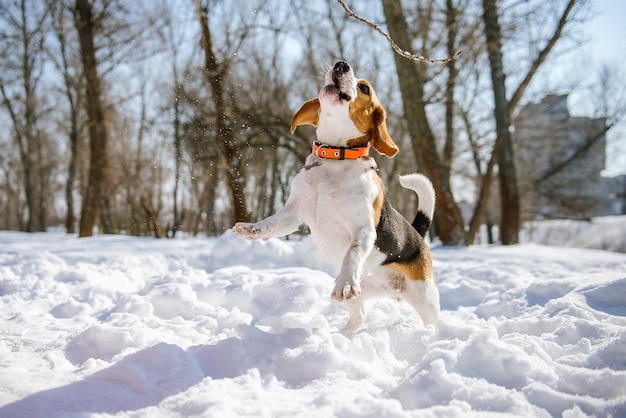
x,y
341,67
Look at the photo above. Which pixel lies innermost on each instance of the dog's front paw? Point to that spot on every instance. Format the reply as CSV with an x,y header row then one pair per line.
x,y
247,230
345,289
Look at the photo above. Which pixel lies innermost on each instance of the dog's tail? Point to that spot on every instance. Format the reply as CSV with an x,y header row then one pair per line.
x,y
421,185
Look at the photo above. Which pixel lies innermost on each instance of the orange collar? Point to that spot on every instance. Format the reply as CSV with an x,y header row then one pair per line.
x,y
339,153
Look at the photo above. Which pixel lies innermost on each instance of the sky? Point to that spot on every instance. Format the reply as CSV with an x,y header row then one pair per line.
x,y
607,29
607,33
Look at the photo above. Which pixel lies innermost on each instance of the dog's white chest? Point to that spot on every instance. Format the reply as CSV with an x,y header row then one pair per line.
x,y
337,198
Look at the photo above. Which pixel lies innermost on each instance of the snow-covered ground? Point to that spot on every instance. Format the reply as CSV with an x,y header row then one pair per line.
x,y
137,327
605,233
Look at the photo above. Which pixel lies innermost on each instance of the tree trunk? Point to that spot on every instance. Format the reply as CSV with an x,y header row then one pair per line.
x,y
224,122
483,200
450,222
106,222
71,93
211,225
97,130
206,203
153,218
29,33
509,196
23,140
451,26
70,219
178,153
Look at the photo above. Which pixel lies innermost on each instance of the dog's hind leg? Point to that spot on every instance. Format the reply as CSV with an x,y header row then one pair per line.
x,y
357,315
423,295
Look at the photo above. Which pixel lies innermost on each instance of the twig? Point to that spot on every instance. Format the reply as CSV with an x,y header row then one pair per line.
x,y
395,47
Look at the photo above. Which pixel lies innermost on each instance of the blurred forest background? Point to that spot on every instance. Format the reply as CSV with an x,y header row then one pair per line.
x,y
156,117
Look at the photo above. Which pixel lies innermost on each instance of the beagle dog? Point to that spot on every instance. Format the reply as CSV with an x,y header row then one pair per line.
x,y
339,195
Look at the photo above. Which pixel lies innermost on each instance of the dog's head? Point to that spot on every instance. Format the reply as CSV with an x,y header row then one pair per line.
x,y
347,113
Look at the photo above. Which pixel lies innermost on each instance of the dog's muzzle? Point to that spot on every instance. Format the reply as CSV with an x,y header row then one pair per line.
x,y
339,70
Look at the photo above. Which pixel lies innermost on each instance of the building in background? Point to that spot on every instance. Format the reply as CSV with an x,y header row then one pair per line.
x,y
559,160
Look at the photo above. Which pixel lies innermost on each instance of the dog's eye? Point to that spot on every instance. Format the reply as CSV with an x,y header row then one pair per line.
x,y
364,89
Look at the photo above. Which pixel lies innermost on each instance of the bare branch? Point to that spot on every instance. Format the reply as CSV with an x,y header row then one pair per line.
x,y
395,47
541,57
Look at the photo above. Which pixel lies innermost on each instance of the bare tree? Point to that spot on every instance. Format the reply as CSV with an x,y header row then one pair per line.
x,y
450,224
509,195
168,23
503,152
451,48
215,74
94,195
22,53
63,61
223,137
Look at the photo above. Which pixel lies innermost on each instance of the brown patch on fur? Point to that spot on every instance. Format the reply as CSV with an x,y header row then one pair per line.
x,y
397,282
380,199
308,114
369,117
362,141
418,269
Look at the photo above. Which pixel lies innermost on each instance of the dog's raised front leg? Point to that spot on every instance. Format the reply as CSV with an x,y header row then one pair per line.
x,y
283,222
286,220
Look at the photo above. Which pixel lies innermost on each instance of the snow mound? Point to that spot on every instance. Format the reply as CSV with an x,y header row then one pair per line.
x,y
132,327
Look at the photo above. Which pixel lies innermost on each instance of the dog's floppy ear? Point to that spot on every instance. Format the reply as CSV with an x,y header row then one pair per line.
x,y
381,140
308,114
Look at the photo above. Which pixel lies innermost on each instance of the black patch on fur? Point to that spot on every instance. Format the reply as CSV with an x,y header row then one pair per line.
x,y
421,223
396,237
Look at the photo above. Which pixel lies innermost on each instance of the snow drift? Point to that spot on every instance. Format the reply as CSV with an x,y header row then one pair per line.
x,y
136,327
